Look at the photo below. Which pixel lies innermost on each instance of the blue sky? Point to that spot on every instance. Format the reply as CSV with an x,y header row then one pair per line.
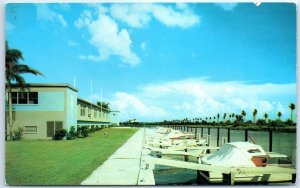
x,y
164,61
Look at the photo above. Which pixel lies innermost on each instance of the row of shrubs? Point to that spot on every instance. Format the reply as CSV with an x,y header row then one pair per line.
x,y
81,132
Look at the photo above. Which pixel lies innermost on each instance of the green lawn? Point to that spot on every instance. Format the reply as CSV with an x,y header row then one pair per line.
x,y
67,162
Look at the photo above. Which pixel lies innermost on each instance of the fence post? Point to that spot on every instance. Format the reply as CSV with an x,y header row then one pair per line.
x,y
208,139
208,132
196,132
246,135
228,135
270,140
218,136
224,141
202,132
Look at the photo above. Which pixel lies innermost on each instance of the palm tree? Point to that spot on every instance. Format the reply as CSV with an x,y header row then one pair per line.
x,y
224,117
254,115
279,115
218,117
266,117
13,74
243,114
230,117
292,107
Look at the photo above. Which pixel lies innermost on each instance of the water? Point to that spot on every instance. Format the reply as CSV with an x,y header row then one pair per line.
x,y
165,175
284,143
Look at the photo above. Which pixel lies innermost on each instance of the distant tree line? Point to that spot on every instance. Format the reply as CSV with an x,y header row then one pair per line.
x,y
228,119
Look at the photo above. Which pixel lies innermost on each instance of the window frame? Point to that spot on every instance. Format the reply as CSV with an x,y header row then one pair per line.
x,y
28,97
55,126
30,132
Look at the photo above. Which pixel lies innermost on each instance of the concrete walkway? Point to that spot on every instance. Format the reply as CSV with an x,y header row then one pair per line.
x,y
123,167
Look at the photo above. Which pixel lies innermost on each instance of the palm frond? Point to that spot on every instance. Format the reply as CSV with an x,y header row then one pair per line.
x,y
20,82
21,68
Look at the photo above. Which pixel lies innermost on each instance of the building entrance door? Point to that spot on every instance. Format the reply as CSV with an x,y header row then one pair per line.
x,y
53,126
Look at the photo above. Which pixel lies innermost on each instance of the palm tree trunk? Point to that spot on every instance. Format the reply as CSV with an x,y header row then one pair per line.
x,y
291,117
10,114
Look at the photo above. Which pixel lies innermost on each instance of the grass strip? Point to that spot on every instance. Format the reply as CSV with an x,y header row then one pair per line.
x,y
67,162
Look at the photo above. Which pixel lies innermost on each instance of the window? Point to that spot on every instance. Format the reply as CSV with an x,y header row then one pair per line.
x,y
89,112
254,150
14,97
82,111
30,130
24,97
33,98
53,126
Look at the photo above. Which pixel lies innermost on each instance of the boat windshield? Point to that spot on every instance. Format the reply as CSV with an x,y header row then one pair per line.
x,y
254,150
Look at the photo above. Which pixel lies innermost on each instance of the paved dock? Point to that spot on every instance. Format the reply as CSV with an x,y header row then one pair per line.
x,y
124,166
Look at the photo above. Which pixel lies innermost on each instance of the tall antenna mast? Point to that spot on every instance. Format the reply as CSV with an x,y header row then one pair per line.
x,y
91,93
74,81
101,103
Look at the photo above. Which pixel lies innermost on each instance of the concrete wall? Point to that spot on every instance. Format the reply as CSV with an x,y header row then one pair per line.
x,y
114,118
101,117
38,119
54,104
71,109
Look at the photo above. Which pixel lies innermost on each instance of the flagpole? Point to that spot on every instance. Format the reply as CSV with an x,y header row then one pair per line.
x,y
74,81
101,103
91,94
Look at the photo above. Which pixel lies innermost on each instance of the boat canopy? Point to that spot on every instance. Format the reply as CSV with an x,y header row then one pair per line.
x,y
234,154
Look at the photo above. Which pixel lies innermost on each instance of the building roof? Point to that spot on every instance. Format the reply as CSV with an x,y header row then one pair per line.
x,y
56,85
89,103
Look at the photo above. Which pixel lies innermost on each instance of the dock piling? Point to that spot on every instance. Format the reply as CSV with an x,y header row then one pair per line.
x,y
293,178
270,140
208,140
186,157
218,136
224,141
228,135
228,179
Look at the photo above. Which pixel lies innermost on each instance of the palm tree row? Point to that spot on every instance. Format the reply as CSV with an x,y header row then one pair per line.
x,y
242,116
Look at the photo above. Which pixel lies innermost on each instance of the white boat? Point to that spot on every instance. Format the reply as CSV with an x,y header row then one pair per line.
x,y
166,138
237,154
176,134
249,162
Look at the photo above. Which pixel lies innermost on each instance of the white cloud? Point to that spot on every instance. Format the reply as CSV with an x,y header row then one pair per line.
x,y
139,15
172,18
108,39
45,13
135,15
72,43
200,98
133,107
143,46
227,6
